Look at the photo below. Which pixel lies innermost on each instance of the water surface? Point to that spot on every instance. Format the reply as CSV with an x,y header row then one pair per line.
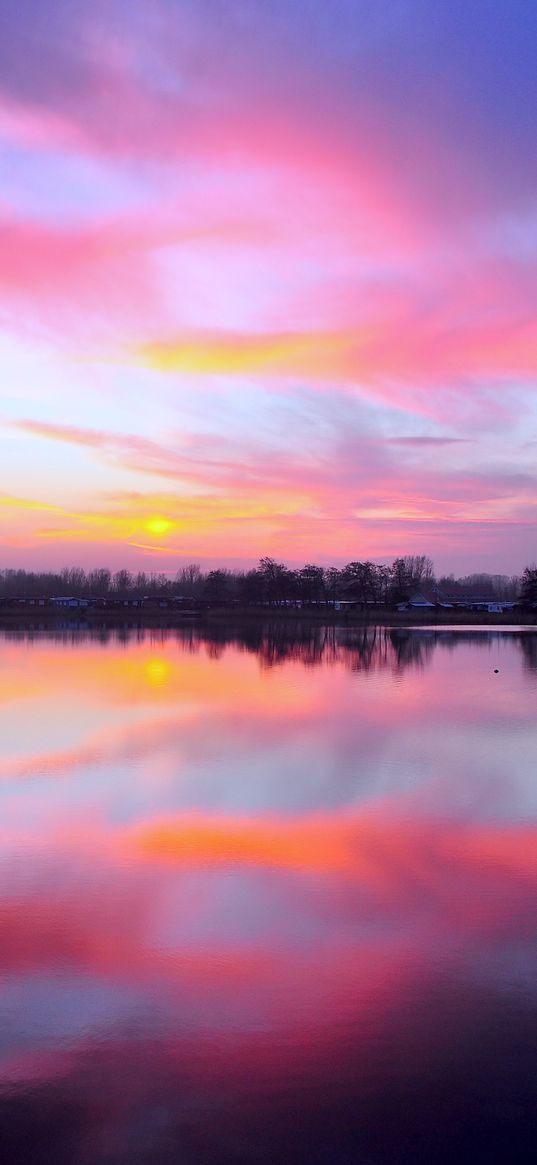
x,y
268,896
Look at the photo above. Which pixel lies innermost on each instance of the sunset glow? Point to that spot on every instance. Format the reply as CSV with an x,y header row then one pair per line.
x,y
268,283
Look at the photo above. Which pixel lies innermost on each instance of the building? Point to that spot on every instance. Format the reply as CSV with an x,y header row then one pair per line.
x,y
70,601
436,600
424,600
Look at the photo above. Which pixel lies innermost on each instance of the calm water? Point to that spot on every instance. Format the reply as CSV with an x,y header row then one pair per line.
x,y
268,898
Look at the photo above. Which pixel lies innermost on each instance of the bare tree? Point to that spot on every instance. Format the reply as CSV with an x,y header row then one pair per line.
x,y
189,579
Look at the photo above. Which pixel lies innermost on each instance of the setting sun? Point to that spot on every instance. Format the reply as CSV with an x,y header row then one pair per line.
x,y
158,526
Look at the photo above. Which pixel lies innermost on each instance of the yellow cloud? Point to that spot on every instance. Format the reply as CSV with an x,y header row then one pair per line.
x,y
28,504
322,355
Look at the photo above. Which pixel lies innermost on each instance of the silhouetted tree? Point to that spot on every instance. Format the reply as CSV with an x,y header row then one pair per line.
x,y
528,588
420,569
99,580
360,581
122,581
332,579
189,580
250,586
400,581
275,577
271,582
217,586
310,583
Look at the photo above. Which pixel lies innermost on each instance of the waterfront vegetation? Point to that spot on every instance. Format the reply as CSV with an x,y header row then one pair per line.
x,y
361,582
360,593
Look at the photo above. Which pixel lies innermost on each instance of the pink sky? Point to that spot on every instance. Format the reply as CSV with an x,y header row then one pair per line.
x,y
268,283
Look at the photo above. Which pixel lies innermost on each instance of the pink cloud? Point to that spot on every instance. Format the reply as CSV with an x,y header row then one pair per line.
x,y
300,225
412,346
241,499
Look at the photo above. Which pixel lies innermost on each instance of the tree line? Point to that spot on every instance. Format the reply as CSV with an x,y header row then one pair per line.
x,y
270,581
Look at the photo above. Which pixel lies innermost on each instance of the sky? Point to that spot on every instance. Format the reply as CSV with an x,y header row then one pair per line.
x,y
268,282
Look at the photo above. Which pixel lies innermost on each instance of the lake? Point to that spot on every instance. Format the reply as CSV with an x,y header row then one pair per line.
x,y
268,896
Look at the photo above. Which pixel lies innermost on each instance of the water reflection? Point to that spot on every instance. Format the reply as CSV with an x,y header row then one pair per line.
x,y
366,647
268,897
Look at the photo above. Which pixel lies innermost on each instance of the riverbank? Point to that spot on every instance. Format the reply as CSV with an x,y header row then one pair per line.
x,y
94,617
377,617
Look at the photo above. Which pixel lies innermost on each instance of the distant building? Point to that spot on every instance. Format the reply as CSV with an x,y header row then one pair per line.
x,y
436,599
480,601
423,601
115,602
68,601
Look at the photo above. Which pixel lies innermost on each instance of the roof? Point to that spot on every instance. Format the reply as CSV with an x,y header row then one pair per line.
x,y
421,600
464,598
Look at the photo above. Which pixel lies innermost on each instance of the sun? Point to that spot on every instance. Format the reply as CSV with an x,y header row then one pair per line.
x,y
158,526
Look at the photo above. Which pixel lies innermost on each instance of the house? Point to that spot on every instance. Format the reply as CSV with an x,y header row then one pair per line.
x,y
433,598
116,603
424,600
480,601
421,602
68,601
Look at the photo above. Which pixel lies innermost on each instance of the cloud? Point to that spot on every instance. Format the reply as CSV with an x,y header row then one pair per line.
x,y
420,442
71,434
244,498
342,213
107,282
167,79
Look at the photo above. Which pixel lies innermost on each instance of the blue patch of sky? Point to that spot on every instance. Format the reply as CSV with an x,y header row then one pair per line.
x,y
67,189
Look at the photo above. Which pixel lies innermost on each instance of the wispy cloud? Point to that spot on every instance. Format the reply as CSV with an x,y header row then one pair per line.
x,y
232,498
230,202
